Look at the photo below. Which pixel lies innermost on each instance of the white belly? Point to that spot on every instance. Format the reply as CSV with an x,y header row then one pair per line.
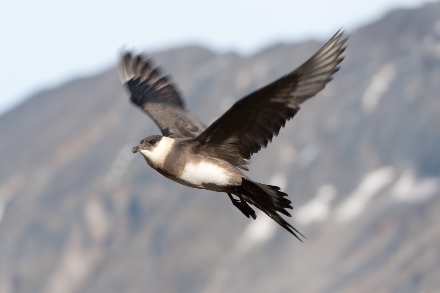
x,y
205,175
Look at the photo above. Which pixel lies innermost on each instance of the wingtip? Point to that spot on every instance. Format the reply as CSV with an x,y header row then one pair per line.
x,y
340,31
283,223
124,69
297,237
338,35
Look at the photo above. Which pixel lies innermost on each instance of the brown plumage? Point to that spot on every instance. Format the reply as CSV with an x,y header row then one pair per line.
x,y
207,158
253,121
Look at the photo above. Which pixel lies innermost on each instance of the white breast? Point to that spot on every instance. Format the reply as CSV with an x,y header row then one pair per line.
x,y
204,173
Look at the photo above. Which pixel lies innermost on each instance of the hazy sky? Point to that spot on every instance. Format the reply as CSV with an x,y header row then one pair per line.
x,y
47,42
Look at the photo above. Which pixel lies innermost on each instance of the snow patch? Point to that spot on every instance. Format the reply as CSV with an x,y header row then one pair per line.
x,y
256,233
287,154
432,46
317,209
119,167
409,189
97,219
8,190
308,154
280,180
370,186
77,262
378,86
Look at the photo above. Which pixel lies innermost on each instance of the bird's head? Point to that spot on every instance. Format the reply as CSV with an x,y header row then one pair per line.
x,y
148,144
154,148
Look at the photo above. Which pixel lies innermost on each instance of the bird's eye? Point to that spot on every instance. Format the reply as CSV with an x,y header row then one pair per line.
x,y
152,142
141,142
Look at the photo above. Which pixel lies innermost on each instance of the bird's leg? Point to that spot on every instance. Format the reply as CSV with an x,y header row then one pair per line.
x,y
238,205
245,205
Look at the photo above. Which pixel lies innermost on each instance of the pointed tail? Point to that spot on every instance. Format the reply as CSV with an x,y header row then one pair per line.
x,y
270,200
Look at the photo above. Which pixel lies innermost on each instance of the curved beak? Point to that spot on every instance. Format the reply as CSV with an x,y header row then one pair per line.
x,y
135,149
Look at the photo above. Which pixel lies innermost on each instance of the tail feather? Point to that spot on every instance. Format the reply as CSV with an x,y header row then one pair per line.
x,y
271,201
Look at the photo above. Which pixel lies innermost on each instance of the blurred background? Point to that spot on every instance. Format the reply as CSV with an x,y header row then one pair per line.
x,y
361,162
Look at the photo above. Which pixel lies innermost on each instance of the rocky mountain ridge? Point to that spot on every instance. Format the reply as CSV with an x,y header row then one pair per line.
x,y
360,162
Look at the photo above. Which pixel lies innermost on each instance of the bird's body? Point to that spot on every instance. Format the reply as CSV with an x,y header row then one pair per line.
x,y
178,160
209,158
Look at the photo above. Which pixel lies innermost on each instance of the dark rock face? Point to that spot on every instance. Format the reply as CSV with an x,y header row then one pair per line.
x,y
361,163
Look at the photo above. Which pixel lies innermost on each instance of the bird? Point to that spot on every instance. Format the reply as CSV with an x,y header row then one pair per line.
x,y
214,157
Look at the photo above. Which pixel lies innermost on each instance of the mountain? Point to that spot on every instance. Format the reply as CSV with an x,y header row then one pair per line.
x,y
361,163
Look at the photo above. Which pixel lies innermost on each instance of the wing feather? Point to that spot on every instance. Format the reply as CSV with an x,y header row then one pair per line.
x,y
251,123
156,95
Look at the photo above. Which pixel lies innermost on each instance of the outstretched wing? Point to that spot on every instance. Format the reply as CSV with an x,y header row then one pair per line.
x,y
157,96
253,121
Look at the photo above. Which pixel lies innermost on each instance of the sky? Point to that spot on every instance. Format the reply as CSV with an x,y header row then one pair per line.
x,y
48,42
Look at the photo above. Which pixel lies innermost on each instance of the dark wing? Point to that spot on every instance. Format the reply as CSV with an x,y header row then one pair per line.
x,y
253,121
157,96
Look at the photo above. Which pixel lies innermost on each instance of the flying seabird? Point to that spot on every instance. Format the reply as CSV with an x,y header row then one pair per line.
x,y
211,157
